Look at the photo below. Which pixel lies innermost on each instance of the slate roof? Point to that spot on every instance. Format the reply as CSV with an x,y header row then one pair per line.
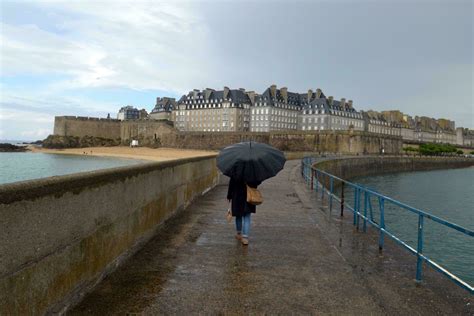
x,y
235,96
239,97
164,105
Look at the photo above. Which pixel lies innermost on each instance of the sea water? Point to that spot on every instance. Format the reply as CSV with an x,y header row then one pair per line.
x,y
26,166
448,194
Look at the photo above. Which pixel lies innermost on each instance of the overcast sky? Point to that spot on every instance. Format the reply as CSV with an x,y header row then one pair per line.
x,y
92,57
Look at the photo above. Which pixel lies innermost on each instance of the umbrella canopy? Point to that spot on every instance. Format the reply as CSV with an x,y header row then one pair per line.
x,y
250,161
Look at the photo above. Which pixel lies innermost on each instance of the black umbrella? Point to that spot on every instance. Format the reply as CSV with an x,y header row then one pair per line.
x,y
250,161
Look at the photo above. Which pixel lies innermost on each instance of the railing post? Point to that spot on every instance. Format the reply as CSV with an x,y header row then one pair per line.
x,y
317,180
322,186
371,210
364,228
358,208
312,179
342,199
382,222
419,249
331,189
355,206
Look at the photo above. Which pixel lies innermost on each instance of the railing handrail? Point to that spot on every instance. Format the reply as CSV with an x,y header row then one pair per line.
x,y
307,163
401,204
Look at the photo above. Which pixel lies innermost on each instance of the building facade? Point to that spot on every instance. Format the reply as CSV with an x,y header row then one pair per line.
x,y
128,113
214,111
465,137
277,109
163,109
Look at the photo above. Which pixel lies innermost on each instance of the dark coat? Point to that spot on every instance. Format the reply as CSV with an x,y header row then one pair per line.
x,y
238,194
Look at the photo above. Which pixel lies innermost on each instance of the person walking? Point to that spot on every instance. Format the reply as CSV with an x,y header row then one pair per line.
x,y
247,164
241,209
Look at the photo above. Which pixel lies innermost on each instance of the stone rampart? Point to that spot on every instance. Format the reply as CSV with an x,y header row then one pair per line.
x,y
61,235
348,168
159,133
343,142
147,132
86,126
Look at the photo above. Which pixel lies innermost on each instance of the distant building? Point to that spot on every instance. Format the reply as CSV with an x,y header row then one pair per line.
x,y
465,137
163,109
128,113
214,111
434,131
281,110
275,110
142,114
376,122
131,113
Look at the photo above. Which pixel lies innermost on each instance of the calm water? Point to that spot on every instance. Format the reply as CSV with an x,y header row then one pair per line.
x,y
448,194
25,166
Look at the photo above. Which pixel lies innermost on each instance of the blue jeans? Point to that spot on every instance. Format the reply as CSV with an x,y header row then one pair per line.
x,y
238,224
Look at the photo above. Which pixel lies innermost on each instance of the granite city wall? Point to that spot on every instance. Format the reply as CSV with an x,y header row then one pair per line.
x,y
61,235
344,142
147,132
348,168
161,134
86,126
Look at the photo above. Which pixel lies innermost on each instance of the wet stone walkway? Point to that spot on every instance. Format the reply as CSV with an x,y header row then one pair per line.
x,y
301,259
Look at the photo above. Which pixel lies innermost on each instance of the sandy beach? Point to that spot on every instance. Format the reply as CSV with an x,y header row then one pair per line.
x,y
143,153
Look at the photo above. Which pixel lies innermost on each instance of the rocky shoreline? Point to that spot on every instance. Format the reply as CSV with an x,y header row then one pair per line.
x,y
10,148
60,142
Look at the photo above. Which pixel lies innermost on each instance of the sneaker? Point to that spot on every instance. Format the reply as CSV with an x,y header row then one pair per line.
x,y
238,236
245,241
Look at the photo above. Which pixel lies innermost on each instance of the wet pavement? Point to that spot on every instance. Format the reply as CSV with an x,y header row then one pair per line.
x,y
302,259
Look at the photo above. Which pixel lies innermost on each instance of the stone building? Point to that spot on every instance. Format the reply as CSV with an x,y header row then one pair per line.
x,y
321,113
128,113
163,109
131,113
280,110
275,110
405,122
465,137
214,111
434,131
376,122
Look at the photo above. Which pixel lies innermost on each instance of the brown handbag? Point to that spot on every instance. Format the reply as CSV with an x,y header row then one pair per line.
x,y
254,196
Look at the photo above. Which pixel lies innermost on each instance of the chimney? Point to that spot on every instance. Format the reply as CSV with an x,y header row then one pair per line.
x,y
349,103
343,103
318,93
284,94
310,94
226,92
330,99
158,99
273,89
195,92
207,93
251,95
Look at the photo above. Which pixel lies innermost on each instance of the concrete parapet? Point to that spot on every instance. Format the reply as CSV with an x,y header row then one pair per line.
x,y
61,235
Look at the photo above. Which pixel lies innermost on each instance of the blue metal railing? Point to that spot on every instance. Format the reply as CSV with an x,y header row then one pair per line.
x,y
322,181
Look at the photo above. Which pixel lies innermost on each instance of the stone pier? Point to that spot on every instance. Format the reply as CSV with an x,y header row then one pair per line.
x,y
302,259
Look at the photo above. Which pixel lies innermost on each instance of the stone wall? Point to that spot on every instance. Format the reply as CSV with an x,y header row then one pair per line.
x,y
61,235
160,133
344,142
147,132
348,168
86,126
